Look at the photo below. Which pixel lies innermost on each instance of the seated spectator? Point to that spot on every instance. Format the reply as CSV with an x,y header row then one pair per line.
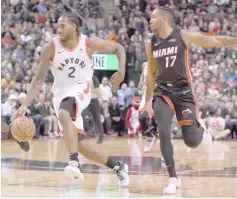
x,y
217,125
115,115
50,120
8,108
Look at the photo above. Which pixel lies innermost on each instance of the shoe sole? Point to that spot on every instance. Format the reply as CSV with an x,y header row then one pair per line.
x,y
73,174
178,190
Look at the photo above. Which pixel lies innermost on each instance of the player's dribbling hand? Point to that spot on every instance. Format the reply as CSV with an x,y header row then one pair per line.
x,y
19,112
148,108
116,79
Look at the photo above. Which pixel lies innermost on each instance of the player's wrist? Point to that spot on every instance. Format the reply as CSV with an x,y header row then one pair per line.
x,y
24,106
122,71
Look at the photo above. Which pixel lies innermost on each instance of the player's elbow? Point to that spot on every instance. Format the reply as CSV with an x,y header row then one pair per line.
x,y
119,49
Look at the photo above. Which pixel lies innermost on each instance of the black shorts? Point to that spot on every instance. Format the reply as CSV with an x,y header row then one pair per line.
x,y
181,101
69,104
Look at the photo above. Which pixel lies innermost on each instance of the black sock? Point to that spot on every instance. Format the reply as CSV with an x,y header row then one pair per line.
x,y
149,135
171,170
111,163
73,157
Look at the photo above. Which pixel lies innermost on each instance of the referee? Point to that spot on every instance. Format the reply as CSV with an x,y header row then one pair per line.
x,y
95,109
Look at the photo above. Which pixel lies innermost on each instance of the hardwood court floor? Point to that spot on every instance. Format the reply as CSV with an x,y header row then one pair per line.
x,y
205,172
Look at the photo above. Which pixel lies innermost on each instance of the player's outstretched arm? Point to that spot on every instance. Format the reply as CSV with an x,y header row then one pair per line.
x,y
207,41
37,82
151,72
140,81
96,44
46,55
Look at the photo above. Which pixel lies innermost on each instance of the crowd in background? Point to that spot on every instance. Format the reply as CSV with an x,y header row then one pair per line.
x,y
28,24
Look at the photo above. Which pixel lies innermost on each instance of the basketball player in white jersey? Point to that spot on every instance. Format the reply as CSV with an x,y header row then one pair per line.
x,y
70,56
148,125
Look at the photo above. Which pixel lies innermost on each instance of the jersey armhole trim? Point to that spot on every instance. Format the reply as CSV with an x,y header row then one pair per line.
x,y
53,46
181,40
86,46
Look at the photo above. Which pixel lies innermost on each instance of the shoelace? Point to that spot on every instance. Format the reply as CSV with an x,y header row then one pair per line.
x,y
120,176
119,173
149,141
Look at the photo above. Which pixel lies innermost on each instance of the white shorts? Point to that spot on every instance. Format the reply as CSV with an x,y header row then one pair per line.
x,y
82,94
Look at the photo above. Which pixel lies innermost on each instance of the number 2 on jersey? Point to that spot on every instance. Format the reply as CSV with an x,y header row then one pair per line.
x,y
72,69
168,60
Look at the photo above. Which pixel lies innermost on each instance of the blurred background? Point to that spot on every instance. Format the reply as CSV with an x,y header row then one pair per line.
x,y
28,24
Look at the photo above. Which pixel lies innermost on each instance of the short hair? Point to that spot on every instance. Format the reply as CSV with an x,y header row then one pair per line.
x,y
72,18
169,12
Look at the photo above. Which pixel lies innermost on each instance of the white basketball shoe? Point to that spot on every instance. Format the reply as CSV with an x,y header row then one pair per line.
x,y
150,143
122,173
73,170
173,187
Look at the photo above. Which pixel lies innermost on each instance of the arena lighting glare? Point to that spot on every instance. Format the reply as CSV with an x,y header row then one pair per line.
x,y
105,62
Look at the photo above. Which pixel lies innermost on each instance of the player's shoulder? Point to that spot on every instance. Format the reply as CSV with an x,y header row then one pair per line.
x,y
48,50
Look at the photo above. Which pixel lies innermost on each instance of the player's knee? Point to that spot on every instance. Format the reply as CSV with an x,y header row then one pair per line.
x,y
192,138
63,115
82,146
164,132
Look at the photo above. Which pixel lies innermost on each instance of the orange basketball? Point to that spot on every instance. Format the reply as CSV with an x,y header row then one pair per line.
x,y
23,128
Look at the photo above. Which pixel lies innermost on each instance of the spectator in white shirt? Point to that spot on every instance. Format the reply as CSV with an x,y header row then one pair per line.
x,y
105,90
8,106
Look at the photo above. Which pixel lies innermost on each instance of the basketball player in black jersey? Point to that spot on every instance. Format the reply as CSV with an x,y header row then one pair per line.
x,y
168,68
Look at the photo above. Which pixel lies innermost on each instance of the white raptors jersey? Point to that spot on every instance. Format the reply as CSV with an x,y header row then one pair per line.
x,y
71,66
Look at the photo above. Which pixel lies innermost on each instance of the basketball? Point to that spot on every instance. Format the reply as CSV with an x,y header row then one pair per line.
x,y
23,129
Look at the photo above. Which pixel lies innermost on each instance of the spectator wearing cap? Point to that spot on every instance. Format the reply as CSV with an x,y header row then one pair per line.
x,y
8,106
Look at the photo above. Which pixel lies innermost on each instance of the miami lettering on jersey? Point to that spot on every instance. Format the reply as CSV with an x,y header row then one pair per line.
x,y
165,51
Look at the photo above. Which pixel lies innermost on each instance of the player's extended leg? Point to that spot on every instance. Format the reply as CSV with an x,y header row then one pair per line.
x,y
149,130
67,111
191,129
163,115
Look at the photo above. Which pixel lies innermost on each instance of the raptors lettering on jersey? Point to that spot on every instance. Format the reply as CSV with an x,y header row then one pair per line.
x,y
71,66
